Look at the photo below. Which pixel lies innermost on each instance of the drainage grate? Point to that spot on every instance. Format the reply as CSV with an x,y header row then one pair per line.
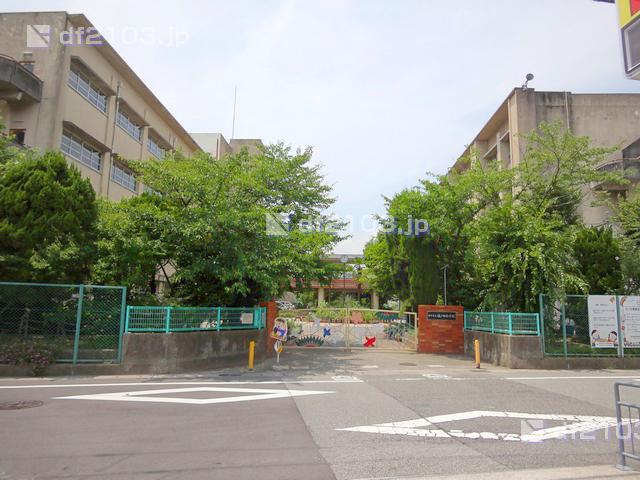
x,y
409,364
20,405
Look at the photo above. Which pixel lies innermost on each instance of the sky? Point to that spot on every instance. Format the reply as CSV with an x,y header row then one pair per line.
x,y
384,91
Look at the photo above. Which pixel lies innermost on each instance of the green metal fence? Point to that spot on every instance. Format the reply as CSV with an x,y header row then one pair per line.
x,y
191,319
503,322
84,322
565,329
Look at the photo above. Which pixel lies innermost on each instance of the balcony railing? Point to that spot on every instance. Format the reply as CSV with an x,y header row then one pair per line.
x,y
628,167
16,79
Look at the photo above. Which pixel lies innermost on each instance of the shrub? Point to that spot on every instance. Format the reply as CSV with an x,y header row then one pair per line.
x,y
34,352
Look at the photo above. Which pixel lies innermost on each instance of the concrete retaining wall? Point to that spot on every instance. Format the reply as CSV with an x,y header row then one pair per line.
x,y
176,352
525,351
151,353
517,351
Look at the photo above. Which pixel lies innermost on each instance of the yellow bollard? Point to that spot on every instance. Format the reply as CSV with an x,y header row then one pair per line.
x,y
476,347
252,347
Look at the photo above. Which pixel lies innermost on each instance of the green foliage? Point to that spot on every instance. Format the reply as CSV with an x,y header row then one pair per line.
x,y
379,274
208,223
628,216
520,251
130,244
598,253
47,218
505,235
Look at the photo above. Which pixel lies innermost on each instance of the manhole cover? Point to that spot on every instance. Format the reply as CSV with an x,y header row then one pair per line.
x,y
20,405
409,364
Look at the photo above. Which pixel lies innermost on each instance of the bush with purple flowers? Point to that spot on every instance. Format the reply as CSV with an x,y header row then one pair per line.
x,y
34,352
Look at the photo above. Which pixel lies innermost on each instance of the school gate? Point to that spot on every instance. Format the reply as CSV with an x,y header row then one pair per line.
x,y
433,329
348,328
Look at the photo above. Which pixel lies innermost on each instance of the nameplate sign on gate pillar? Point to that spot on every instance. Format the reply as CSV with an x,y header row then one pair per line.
x,y
441,315
440,329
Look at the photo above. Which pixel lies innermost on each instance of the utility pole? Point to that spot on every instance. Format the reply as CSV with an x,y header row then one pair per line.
x,y
445,283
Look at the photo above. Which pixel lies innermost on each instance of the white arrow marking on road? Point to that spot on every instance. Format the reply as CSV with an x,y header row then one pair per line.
x,y
143,395
415,428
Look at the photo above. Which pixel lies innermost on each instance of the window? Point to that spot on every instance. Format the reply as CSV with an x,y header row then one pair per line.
x,y
80,151
18,135
149,190
123,177
129,126
155,149
83,86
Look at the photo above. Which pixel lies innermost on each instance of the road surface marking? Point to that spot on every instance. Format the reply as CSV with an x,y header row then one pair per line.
x,y
415,428
265,382
576,377
437,376
143,395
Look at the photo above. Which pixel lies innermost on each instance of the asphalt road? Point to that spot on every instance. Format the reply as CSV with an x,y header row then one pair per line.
x,y
322,414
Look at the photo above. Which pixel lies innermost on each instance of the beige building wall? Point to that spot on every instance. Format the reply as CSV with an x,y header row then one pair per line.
x,y
218,147
63,109
611,120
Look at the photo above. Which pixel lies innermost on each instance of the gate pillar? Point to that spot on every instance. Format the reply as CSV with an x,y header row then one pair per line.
x,y
272,313
440,329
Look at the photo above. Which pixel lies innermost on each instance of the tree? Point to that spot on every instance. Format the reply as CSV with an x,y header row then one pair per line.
x,y
598,253
557,169
379,274
208,220
520,251
47,218
628,216
505,235
130,243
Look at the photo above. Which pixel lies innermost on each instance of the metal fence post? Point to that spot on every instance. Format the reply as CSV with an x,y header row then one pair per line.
x,y
540,322
124,318
219,320
126,321
619,427
76,337
493,323
510,324
563,320
620,330
167,321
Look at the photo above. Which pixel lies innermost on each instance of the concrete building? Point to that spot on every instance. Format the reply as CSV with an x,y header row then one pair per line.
x,y
218,147
64,92
608,119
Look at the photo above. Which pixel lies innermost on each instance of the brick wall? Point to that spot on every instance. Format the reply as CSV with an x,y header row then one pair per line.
x,y
440,336
272,313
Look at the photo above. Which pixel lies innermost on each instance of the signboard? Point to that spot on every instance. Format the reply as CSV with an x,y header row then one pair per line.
x,y
603,321
441,315
629,15
279,331
630,321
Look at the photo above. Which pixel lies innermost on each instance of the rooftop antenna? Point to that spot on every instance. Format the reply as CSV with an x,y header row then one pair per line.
x,y
525,85
233,123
